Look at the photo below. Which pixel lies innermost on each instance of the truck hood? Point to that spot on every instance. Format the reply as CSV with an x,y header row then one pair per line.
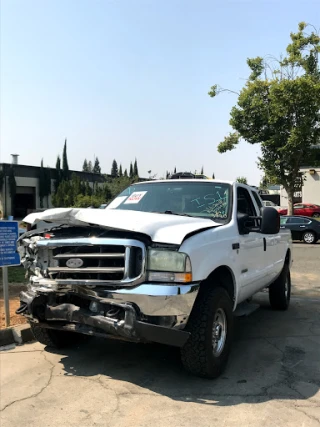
x,y
161,228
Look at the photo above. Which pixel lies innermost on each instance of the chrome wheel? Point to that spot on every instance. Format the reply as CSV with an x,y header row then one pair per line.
x,y
219,332
309,237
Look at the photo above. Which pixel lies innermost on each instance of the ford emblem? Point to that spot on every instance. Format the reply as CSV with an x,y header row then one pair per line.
x,y
74,263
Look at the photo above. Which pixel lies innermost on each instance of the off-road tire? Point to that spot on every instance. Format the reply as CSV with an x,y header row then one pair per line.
x,y
55,338
280,290
197,354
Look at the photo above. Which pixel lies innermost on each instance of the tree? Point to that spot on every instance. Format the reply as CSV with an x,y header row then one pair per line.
x,y
125,174
85,166
135,168
131,170
120,171
201,171
96,167
12,186
114,169
65,166
90,167
58,174
213,176
42,184
279,108
242,180
175,170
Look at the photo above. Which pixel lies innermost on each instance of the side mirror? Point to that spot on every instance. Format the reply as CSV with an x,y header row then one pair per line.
x,y
243,223
270,221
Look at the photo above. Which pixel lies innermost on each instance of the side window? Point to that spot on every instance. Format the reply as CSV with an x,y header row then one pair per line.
x,y
295,221
258,200
245,205
283,220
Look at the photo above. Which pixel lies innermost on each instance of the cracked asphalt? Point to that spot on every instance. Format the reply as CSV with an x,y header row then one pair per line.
x,y
272,379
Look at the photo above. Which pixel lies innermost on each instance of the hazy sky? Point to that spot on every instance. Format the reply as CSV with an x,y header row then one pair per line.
x,y
129,78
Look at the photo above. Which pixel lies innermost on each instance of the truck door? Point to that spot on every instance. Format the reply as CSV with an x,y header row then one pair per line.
x,y
252,254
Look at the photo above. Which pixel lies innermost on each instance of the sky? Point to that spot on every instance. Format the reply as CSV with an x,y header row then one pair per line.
x,y
126,79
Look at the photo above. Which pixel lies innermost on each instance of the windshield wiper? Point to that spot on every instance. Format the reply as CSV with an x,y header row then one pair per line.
x,y
176,213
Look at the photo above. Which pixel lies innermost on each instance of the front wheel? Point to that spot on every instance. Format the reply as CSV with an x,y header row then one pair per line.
x,y
55,338
206,352
280,290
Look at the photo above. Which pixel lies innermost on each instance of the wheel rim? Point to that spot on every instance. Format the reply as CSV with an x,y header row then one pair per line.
x,y
316,215
219,332
286,288
309,238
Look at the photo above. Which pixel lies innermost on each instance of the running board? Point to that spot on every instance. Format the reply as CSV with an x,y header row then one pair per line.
x,y
245,309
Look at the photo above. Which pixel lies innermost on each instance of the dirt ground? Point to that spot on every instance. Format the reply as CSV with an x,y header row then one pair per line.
x,y
14,291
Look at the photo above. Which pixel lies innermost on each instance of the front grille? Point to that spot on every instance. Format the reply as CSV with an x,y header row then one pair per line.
x,y
94,260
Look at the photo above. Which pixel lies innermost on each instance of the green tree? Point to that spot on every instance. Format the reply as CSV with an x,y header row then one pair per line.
x,y
125,173
114,169
120,171
175,170
90,167
65,165
279,108
135,168
242,180
85,166
42,184
213,176
58,174
12,186
96,167
131,170
201,171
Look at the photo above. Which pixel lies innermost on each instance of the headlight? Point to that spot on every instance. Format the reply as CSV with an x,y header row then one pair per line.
x,y
164,266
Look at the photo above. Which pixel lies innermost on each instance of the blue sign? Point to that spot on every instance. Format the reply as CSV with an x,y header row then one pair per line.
x,y
8,243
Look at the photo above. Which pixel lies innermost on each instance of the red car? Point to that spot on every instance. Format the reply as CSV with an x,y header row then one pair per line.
x,y
303,209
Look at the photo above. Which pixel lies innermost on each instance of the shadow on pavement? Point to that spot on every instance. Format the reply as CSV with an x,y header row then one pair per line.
x,y
276,355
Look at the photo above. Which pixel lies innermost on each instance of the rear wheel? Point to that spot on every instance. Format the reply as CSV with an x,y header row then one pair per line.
x,y
55,338
280,290
309,237
206,352
316,215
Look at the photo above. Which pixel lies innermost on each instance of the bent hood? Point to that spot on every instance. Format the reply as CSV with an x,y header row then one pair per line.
x,y
161,228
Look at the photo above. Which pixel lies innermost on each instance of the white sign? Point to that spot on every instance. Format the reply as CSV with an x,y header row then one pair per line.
x,y
135,197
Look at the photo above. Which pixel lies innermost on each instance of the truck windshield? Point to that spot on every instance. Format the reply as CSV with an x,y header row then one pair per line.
x,y
199,199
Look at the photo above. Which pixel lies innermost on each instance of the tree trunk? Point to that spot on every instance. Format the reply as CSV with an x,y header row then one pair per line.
x,y
290,192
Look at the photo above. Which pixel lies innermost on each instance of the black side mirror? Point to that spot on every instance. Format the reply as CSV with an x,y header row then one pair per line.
x,y
243,223
270,221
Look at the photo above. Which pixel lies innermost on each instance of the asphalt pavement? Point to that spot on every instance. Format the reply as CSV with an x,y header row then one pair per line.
x,y
272,379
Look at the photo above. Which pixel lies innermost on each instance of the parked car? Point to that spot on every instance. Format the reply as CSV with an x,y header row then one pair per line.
x,y
270,204
303,209
167,261
302,228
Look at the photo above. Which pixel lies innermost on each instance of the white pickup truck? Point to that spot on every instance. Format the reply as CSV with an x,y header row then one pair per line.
x,y
167,261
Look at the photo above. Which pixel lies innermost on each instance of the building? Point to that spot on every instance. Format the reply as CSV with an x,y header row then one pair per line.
x,y
27,197
308,188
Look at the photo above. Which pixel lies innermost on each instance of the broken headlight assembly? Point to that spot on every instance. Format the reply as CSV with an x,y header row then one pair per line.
x,y
168,266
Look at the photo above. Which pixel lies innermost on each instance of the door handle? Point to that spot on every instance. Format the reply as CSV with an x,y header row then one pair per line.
x,y
302,226
282,227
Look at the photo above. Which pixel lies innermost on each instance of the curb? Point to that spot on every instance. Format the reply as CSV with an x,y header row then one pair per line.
x,y
16,335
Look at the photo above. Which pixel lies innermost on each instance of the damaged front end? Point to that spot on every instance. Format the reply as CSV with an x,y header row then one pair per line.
x,y
93,281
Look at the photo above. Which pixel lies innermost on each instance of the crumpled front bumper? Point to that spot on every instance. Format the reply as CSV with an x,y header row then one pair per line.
x,y
147,312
